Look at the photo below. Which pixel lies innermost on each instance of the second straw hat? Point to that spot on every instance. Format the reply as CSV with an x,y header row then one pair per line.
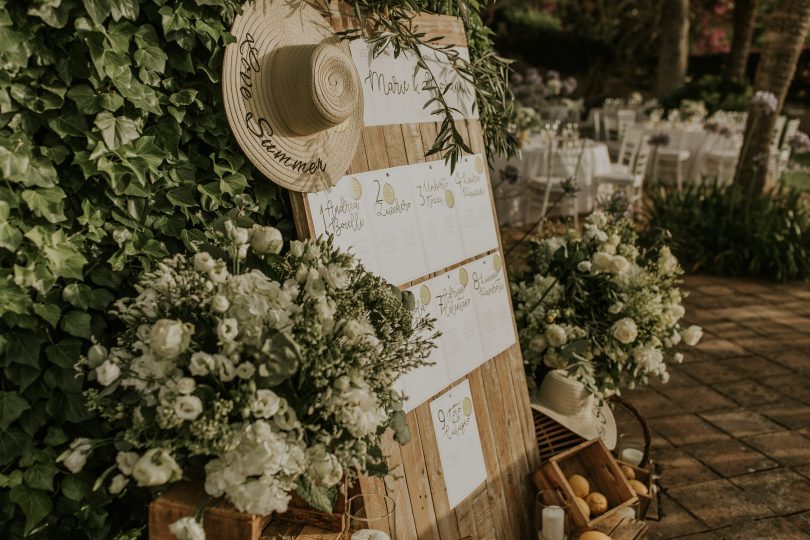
x,y
292,94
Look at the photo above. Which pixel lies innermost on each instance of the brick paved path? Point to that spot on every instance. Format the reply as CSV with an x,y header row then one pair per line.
x,y
732,427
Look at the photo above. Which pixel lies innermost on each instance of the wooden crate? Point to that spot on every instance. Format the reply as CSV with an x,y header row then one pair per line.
x,y
593,461
552,437
224,522
645,477
622,528
281,529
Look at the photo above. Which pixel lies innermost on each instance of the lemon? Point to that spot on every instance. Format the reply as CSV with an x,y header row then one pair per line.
x,y
356,189
496,262
467,405
479,164
388,194
463,278
424,295
449,198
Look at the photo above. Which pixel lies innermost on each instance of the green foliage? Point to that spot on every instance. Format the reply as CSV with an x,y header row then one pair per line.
x,y
717,93
731,231
114,151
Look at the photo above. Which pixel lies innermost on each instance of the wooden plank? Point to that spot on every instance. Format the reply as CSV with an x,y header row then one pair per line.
x,y
416,475
397,487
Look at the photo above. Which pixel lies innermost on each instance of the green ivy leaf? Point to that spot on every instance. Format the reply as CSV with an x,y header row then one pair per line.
x,y
116,130
13,443
10,237
46,203
23,348
12,405
78,295
13,299
35,504
152,58
65,260
68,407
64,354
49,312
318,497
76,323
40,476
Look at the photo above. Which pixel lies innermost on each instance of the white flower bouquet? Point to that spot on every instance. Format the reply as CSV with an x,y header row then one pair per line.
x,y
599,307
272,376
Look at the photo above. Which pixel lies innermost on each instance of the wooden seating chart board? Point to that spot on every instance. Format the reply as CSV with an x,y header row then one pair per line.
x,y
500,508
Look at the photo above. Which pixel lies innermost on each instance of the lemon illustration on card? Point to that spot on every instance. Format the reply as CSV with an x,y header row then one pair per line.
x,y
449,198
467,406
356,189
388,194
496,262
479,164
424,295
463,278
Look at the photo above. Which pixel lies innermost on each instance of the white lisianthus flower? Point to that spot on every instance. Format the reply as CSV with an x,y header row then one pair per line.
x,y
107,373
169,338
336,276
555,335
648,358
584,266
266,404
226,371
678,358
219,273
126,461
665,377
238,235
625,330
156,468
119,482
297,248
265,240
618,264
185,385
675,338
201,364
616,308
324,468
600,262
220,304
75,457
691,336
204,262
245,370
188,407
227,330
555,360
187,528
667,262
554,243
538,344
96,355
678,311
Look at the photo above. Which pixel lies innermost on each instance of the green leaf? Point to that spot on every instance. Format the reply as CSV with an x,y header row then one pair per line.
x,y
65,260
10,236
12,480
64,354
77,323
152,58
318,497
78,295
13,443
23,348
46,203
402,433
13,299
49,312
85,98
116,130
64,406
35,504
75,487
40,476
183,196
12,405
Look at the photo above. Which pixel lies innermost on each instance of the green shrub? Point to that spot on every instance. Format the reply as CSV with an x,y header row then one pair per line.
x,y
717,93
730,231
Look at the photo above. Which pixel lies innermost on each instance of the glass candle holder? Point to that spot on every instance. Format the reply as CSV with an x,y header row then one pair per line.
x,y
370,516
630,448
551,520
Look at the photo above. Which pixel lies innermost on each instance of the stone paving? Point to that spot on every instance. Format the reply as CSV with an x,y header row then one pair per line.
x,y
731,429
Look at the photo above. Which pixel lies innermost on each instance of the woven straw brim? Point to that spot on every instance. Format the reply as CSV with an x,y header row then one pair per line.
x,y
288,159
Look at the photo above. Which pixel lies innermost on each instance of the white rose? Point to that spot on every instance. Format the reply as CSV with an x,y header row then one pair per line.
x,y
616,308
297,248
96,355
219,273
187,528
238,235
245,370
75,457
665,377
266,404
614,239
188,407
625,330
678,357
203,262
618,264
266,240
119,482
186,385
169,338
336,276
220,304
601,261
225,368
667,262
691,336
678,311
324,468
584,266
227,330
107,373
155,468
555,335
125,461
201,364
538,344
648,358
675,339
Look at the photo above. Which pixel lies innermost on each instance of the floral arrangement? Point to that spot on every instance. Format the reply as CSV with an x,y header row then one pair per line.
x,y
527,120
533,89
693,109
272,375
597,306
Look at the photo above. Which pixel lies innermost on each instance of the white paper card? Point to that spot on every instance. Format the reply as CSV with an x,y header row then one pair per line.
x,y
474,206
438,222
491,296
459,443
395,92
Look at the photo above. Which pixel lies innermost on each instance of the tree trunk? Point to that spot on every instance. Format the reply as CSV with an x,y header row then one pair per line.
x,y
745,15
783,42
673,56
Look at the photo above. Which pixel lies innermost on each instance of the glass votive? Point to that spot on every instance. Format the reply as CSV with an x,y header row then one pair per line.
x,y
630,448
370,516
551,520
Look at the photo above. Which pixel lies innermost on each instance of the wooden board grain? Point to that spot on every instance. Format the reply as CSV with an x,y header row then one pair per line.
x,y
501,509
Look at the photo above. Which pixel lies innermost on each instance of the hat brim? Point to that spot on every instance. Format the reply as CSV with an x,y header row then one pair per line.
x,y
299,163
601,424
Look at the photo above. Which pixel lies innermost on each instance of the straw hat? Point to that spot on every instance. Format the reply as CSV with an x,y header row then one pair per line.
x,y
567,401
292,94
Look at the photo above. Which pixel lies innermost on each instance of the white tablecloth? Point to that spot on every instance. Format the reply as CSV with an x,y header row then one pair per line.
x,y
511,200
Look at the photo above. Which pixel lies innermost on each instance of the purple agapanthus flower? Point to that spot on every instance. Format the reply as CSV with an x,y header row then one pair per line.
x,y
800,143
569,86
765,101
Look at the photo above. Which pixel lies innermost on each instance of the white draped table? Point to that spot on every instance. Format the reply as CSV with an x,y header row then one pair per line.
x,y
511,200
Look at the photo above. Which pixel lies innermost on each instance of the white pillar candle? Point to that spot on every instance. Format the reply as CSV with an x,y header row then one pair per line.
x,y
553,523
632,456
370,534
627,512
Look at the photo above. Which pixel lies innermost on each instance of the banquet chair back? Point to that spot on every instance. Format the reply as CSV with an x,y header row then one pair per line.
x,y
639,168
781,159
791,128
624,119
630,145
597,124
777,132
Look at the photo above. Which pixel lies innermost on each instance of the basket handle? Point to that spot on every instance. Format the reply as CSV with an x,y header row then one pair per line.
x,y
645,428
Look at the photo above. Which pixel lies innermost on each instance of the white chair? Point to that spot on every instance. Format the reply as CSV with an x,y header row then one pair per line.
x,y
564,164
669,164
624,119
721,165
781,158
631,180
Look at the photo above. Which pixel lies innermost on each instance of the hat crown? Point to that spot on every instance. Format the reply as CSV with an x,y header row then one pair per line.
x,y
314,87
565,394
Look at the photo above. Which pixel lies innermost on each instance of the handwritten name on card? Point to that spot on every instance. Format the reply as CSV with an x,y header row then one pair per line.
x,y
395,90
460,452
491,296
